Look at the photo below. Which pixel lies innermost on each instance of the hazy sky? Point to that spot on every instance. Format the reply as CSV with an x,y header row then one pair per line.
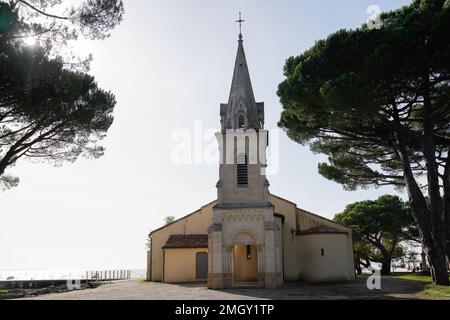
x,y
170,64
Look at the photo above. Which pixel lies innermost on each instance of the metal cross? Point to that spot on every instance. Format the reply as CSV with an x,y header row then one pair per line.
x,y
240,23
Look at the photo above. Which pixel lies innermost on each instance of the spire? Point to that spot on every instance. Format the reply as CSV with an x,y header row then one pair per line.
x,y
241,85
242,111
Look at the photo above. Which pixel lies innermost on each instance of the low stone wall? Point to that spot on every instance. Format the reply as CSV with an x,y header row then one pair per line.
x,y
33,284
25,289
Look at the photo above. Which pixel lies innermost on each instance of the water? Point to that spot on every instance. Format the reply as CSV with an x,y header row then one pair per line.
x,y
57,274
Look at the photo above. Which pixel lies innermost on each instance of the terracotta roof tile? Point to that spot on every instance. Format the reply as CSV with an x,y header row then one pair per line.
x,y
187,241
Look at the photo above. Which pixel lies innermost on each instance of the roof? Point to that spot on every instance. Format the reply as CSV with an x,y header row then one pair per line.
x,y
212,203
242,98
241,85
187,241
313,214
339,225
320,230
185,217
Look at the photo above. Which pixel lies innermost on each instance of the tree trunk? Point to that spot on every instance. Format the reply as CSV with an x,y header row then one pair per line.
x,y
434,246
446,184
437,250
386,267
439,267
437,255
358,269
387,257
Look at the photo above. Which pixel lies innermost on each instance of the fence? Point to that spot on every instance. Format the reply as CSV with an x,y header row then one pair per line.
x,y
108,275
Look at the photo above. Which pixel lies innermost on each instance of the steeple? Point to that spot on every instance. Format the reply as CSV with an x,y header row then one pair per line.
x,y
242,111
242,141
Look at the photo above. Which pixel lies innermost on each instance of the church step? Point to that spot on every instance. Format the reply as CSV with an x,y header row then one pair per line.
x,y
245,285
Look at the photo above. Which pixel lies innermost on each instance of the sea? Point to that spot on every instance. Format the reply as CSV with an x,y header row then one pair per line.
x,y
27,275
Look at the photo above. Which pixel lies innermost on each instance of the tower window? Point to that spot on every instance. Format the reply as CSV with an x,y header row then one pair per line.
x,y
323,252
241,122
242,170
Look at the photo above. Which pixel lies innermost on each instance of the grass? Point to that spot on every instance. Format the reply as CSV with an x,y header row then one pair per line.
x,y
437,291
430,290
3,291
413,276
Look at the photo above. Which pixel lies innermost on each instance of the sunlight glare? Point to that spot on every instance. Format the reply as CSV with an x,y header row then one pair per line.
x,y
30,41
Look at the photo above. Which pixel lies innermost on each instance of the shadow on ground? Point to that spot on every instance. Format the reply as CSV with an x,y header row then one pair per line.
x,y
391,288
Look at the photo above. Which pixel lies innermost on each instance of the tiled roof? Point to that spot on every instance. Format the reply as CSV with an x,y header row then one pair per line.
x,y
187,241
320,229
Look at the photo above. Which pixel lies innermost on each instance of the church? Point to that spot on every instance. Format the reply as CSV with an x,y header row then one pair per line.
x,y
248,236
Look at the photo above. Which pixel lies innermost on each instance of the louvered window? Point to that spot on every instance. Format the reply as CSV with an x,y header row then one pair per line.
x,y
241,122
242,170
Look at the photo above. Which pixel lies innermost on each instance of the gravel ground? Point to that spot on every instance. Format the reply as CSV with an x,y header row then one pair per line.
x,y
392,288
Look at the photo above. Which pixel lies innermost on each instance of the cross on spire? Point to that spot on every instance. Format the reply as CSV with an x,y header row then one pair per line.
x,y
240,25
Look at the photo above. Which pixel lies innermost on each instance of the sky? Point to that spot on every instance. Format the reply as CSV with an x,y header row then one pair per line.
x,y
170,65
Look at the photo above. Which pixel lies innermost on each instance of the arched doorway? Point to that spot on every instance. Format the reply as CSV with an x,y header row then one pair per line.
x,y
245,263
244,257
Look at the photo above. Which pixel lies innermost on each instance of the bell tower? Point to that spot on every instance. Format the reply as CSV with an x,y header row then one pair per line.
x,y
244,242
242,140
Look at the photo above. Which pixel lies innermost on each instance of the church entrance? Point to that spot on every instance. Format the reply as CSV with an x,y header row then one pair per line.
x,y
245,264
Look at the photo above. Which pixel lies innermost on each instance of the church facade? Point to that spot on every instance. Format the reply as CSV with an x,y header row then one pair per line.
x,y
248,235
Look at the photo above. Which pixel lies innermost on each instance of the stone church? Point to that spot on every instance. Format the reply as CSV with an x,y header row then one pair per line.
x,y
248,236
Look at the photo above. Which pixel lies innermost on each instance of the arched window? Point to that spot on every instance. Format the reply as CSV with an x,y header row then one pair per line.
x,y
241,121
242,170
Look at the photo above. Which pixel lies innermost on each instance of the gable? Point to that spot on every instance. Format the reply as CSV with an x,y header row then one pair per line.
x,y
189,219
308,222
305,221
